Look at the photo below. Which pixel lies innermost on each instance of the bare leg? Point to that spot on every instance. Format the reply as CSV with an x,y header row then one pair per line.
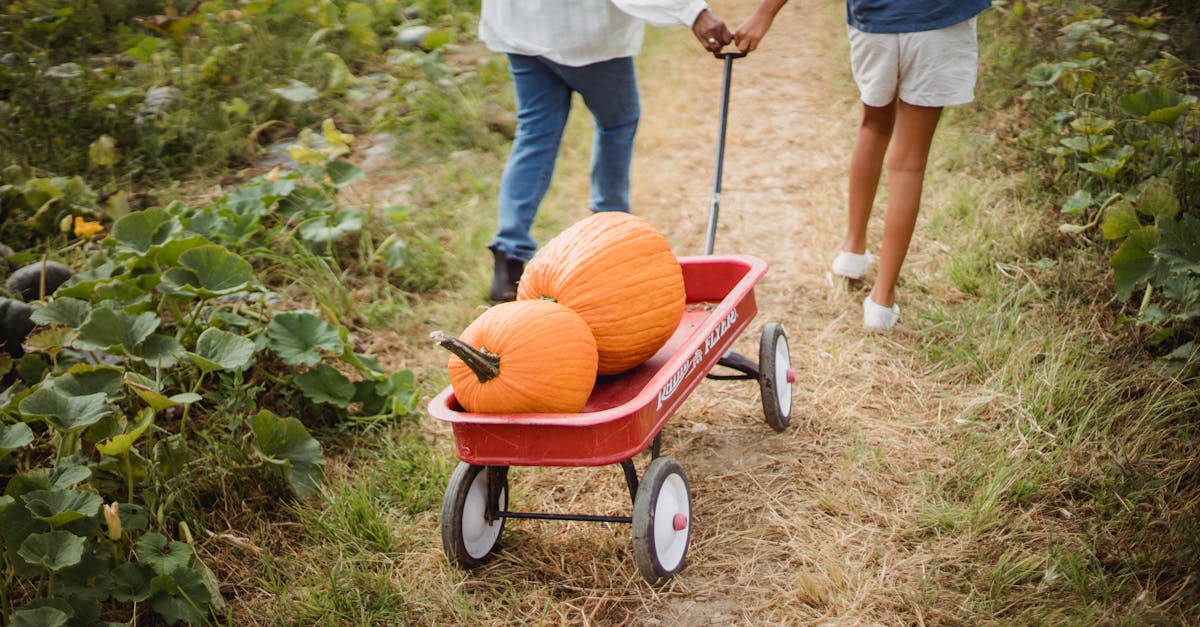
x,y
906,173
866,162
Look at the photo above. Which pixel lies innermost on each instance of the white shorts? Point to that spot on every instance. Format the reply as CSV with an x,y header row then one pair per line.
x,y
933,68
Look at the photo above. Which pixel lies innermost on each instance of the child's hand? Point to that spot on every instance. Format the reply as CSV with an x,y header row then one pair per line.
x,y
711,31
752,31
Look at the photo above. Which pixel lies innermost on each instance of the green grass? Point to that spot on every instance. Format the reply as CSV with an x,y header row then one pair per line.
x,y
1079,465
1073,491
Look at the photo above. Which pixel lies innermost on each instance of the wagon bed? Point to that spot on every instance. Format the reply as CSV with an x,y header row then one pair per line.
x,y
625,411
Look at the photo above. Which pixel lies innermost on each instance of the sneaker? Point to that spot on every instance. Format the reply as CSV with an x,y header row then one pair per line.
x,y
851,265
879,317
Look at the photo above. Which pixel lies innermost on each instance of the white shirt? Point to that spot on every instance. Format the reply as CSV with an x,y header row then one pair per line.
x,y
578,32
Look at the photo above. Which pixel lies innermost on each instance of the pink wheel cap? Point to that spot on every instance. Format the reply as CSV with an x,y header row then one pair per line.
x,y
680,522
791,375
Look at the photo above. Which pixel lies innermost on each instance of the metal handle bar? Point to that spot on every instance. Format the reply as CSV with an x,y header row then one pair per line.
x,y
715,208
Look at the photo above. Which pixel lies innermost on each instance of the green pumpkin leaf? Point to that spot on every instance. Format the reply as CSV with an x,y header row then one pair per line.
x,y
305,201
285,442
163,555
169,253
125,292
84,379
120,444
59,507
1108,167
141,230
181,597
1156,104
70,312
1133,263
149,392
52,551
211,271
1180,244
44,616
1157,199
343,173
395,255
1078,202
324,384
65,477
68,413
50,339
131,582
330,228
159,351
109,329
299,338
14,436
1087,145
217,349
1092,125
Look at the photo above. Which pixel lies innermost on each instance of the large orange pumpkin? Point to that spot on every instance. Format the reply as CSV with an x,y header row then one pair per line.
x,y
618,272
523,357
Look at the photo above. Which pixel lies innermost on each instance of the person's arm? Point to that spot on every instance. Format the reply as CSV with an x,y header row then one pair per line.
x,y
709,29
752,31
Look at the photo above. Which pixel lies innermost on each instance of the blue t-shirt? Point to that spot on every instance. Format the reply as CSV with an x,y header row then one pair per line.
x,y
910,16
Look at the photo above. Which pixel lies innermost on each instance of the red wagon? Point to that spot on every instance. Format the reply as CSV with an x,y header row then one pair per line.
x,y
623,417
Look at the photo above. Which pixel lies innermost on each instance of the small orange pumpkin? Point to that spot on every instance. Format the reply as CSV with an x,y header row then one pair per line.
x,y
521,357
618,272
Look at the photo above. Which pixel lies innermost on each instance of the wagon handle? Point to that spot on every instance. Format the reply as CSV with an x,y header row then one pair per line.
x,y
715,207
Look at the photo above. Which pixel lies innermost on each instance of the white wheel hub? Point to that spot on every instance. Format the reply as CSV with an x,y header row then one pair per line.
x,y
479,536
672,518
783,377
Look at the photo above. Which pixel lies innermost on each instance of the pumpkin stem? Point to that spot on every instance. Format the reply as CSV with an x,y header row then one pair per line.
x,y
484,364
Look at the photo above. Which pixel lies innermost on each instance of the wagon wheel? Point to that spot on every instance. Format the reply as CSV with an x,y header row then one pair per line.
x,y
662,520
775,376
469,535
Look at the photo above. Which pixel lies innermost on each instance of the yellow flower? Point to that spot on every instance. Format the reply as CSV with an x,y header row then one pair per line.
x,y
113,520
86,228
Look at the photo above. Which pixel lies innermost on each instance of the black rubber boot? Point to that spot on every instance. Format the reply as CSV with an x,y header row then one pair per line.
x,y
507,271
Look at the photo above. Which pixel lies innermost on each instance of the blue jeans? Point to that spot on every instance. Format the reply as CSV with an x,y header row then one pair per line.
x,y
543,93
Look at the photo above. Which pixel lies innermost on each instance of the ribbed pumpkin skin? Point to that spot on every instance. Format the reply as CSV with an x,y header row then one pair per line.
x,y
547,360
618,272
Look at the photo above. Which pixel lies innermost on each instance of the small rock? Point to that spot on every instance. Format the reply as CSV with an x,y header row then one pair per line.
x,y
413,36
500,120
158,101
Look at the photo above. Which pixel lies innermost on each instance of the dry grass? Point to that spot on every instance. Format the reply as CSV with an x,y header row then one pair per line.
x,y
966,469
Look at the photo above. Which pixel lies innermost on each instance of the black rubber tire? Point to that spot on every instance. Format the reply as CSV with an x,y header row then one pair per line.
x,y
774,362
467,538
660,555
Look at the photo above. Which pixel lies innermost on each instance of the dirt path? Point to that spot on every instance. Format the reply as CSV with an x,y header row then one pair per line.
x,y
817,522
